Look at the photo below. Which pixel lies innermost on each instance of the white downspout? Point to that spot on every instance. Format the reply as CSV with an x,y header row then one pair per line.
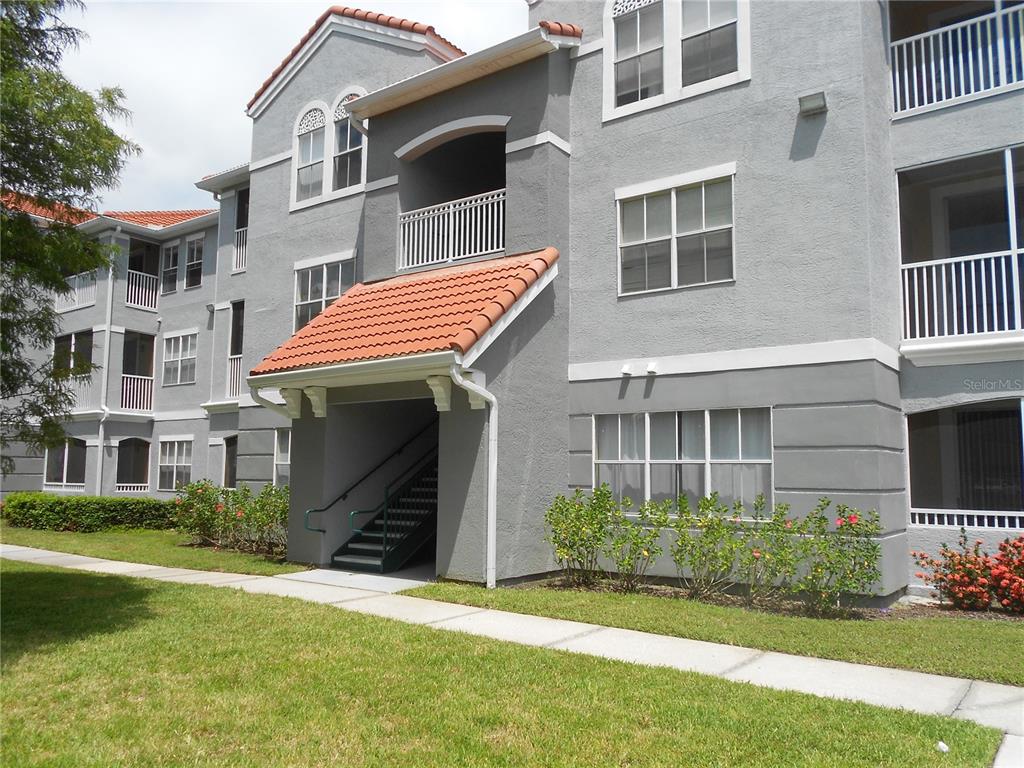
x,y
491,555
105,376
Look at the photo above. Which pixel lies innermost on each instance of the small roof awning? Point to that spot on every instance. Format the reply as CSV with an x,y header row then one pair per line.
x,y
432,318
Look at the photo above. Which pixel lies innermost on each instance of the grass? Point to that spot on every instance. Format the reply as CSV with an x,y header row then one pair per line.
x,y
104,670
167,548
945,645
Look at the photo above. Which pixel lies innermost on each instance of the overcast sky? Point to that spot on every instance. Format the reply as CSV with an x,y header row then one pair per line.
x,y
188,69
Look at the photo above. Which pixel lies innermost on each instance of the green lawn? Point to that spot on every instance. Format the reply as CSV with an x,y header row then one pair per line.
x,y
166,548
104,670
947,645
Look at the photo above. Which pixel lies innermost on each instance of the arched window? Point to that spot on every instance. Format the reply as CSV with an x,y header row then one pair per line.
x,y
132,466
348,148
309,181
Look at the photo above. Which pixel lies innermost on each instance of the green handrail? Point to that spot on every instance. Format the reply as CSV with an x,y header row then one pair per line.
x,y
344,494
409,476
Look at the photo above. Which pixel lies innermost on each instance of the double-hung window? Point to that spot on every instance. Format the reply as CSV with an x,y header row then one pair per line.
x,y
175,464
194,263
677,237
348,149
685,453
318,286
169,271
709,47
283,456
639,44
309,180
180,359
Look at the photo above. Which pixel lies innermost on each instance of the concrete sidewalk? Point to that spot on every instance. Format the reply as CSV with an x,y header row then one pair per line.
x,y
998,706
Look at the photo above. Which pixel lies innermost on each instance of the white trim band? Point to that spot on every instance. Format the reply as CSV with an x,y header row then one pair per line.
x,y
327,258
545,137
679,180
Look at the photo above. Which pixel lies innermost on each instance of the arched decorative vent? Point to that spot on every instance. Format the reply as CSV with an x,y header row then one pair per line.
x,y
341,112
312,120
626,6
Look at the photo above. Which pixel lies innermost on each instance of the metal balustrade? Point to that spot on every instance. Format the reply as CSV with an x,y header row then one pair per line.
x,y
82,293
962,296
142,290
958,61
234,388
136,392
458,229
241,249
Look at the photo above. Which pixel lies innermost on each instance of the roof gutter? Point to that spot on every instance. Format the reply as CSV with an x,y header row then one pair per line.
x,y
490,553
404,367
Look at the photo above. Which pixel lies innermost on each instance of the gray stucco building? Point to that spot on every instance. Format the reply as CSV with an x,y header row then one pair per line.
x,y
780,249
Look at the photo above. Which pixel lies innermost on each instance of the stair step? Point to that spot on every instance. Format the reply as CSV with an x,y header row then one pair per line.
x,y
356,560
364,546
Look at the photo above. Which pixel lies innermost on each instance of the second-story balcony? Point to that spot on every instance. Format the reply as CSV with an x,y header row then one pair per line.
x,y
950,52
82,293
142,290
136,392
457,229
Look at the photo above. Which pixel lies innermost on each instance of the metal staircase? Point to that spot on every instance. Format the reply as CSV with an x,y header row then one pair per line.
x,y
396,530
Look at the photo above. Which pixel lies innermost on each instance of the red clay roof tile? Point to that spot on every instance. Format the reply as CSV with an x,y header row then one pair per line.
x,y
371,17
561,28
30,206
443,309
157,218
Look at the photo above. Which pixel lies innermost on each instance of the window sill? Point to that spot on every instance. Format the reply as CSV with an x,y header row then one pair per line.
x,y
179,384
327,197
689,92
631,294
193,287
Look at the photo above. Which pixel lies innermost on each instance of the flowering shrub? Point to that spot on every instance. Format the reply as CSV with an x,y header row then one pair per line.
x,y
1008,575
634,544
234,518
770,553
577,528
707,546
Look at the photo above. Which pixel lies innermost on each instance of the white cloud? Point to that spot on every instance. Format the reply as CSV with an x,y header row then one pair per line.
x,y
188,69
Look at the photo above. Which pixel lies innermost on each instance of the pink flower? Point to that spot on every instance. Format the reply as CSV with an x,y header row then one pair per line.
x,y
839,522
789,523
853,519
238,513
757,555
220,507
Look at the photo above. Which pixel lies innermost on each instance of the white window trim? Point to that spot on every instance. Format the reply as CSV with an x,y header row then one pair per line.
x,y
201,238
672,62
670,184
165,249
326,193
327,258
163,357
173,439
335,193
322,264
277,455
707,461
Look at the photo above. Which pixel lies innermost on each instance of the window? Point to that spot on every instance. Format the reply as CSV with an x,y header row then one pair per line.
x,y
638,54
283,456
169,271
65,466
180,359
237,328
709,47
316,287
242,209
676,238
73,353
194,263
348,148
133,465
230,461
686,453
175,464
310,169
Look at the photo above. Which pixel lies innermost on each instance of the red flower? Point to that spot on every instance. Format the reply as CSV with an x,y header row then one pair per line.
x,y
238,513
839,522
852,519
177,500
220,507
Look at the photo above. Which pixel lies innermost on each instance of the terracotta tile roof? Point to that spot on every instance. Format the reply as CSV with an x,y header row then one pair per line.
x,y
560,28
435,311
370,17
158,218
56,213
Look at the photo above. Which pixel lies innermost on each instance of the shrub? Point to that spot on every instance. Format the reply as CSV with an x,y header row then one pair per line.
x,y
85,514
962,576
707,546
770,554
634,544
1008,575
577,528
837,563
234,518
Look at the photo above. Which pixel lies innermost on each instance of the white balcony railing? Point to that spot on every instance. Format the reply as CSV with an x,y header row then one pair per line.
x,y
241,249
142,290
234,388
64,487
82,388
459,229
962,296
131,488
960,61
83,293
136,392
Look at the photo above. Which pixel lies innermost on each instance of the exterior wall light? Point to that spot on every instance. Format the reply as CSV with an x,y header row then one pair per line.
x,y
813,104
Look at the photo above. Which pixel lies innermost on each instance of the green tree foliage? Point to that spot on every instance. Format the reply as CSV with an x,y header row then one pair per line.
x,y
58,153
